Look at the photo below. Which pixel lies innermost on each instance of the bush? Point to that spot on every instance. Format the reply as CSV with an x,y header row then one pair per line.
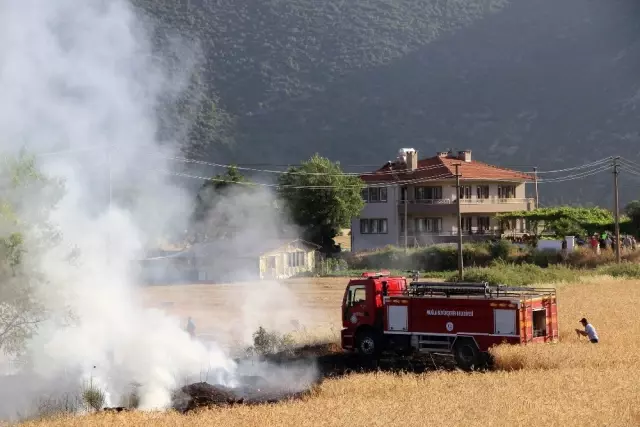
x,y
432,258
501,249
444,257
501,273
266,343
93,397
331,265
626,270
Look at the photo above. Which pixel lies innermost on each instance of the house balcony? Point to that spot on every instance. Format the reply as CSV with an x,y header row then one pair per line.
x,y
473,205
423,238
493,231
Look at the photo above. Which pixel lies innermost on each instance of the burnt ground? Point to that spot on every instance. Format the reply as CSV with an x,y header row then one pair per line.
x,y
330,363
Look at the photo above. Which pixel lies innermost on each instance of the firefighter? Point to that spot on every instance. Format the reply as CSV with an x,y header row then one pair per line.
x,y
589,331
191,328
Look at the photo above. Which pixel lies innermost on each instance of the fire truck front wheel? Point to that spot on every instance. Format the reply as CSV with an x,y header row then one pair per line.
x,y
467,354
367,343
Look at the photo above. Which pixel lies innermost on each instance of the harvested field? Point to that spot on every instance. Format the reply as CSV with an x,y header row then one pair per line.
x,y
229,313
572,383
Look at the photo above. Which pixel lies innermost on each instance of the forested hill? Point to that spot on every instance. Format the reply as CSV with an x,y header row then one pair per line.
x,y
520,82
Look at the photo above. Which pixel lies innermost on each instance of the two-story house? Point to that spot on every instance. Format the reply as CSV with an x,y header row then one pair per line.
x,y
415,201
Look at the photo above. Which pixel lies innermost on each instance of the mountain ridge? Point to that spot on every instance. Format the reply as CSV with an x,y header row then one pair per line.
x,y
533,83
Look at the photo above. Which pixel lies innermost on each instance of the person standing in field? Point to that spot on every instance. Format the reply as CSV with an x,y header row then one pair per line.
x,y
595,244
589,331
191,328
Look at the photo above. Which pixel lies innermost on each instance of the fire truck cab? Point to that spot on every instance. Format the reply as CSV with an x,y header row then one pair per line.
x,y
387,314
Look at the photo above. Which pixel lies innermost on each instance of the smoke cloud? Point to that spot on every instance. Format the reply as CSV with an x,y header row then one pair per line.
x,y
80,80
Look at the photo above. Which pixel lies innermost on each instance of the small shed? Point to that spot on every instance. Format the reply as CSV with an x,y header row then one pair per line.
x,y
225,261
230,261
287,258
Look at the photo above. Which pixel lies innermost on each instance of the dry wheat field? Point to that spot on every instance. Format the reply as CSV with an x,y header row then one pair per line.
x,y
572,383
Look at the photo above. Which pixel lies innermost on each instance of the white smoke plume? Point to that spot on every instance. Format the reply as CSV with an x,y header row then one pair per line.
x,y
79,79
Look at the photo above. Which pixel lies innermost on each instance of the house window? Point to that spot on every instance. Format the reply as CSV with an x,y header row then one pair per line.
x,y
465,192
506,191
373,226
411,224
428,225
428,193
374,194
295,259
482,191
466,223
483,223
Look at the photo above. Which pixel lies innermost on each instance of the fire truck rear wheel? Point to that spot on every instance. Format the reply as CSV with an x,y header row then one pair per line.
x,y
467,354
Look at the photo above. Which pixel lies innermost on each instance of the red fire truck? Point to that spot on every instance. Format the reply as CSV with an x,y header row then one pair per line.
x,y
386,314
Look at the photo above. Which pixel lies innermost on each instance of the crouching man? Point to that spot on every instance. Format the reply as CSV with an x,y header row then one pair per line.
x,y
589,331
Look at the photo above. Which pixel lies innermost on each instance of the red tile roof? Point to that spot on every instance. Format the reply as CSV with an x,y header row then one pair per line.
x,y
443,168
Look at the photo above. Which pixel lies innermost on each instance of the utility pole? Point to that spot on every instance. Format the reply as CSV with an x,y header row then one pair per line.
x,y
406,222
460,257
109,207
535,175
617,206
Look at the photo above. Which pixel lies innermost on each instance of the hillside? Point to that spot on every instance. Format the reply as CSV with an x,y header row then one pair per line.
x,y
522,83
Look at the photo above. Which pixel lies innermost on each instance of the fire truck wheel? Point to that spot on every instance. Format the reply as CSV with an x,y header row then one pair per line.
x,y
467,354
367,343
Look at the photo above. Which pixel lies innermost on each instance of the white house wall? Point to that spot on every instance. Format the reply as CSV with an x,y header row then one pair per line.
x,y
390,211
377,210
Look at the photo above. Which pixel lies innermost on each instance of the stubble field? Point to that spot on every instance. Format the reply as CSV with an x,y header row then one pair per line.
x,y
572,383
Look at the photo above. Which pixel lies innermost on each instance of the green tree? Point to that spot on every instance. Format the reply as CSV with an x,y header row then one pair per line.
x,y
26,198
323,211
567,221
632,210
210,221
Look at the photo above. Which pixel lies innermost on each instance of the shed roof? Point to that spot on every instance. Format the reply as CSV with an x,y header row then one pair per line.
x,y
244,249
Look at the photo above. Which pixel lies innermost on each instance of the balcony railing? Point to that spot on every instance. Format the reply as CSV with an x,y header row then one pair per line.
x,y
475,231
470,201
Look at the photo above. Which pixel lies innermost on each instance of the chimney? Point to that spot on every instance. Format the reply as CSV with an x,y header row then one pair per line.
x,y
465,155
412,159
443,153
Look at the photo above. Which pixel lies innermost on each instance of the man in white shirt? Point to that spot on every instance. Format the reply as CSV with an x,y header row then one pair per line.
x,y
589,331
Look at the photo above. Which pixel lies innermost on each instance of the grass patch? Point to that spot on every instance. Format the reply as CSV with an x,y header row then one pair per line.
x,y
627,270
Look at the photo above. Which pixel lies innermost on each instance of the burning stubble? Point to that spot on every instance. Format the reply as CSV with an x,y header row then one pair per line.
x,y
81,80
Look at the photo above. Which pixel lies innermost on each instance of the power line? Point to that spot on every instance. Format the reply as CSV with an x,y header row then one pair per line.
x,y
226,166
311,187
379,185
379,173
587,165
580,175
629,164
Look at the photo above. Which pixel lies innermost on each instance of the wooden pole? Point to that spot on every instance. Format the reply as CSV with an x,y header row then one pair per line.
x,y
617,207
535,174
459,212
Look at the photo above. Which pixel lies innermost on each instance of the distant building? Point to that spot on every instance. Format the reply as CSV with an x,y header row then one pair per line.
x,y
424,192
228,261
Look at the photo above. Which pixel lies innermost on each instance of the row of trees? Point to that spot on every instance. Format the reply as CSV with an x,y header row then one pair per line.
x,y
576,221
319,212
